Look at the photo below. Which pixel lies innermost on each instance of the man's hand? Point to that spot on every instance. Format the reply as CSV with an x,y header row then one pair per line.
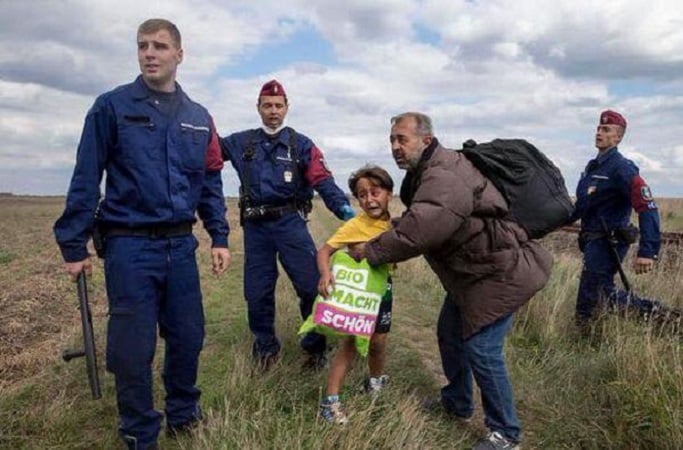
x,y
75,268
220,259
643,265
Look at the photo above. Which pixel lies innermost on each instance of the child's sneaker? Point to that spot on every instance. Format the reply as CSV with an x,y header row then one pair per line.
x,y
373,385
331,411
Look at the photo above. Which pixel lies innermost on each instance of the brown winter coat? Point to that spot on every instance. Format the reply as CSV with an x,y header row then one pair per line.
x,y
488,264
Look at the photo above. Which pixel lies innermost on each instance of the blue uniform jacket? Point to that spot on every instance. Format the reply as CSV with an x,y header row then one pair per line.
x,y
610,188
160,169
276,174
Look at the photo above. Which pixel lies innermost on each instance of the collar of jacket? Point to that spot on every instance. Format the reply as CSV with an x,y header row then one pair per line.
x,y
411,178
141,91
603,157
428,152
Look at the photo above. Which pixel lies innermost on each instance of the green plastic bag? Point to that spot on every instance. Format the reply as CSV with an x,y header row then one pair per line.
x,y
351,308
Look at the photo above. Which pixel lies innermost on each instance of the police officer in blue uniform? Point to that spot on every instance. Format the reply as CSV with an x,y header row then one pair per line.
x,y
278,170
163,163
609,189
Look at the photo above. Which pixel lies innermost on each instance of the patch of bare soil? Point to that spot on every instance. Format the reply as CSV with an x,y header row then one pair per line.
x,y
38,304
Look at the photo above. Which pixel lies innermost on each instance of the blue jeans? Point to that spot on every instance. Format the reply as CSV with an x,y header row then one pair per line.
x,y
480,356
597,282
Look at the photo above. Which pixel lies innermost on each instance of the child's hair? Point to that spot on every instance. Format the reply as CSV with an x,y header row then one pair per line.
x,y
376,174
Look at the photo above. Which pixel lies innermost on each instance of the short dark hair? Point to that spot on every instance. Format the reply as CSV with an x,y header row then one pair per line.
x,y
376,174
153,25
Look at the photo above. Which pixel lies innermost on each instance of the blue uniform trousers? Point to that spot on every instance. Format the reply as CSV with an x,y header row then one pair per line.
x,y
288,240
479,357
597,281
153,282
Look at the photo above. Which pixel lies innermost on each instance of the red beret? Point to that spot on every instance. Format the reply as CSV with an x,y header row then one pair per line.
x,y
273,88
610,117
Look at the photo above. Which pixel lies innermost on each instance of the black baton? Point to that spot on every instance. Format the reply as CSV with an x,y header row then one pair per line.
x,y
88,339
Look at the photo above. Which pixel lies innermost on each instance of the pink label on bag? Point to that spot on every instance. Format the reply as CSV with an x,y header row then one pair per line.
x,y
344,321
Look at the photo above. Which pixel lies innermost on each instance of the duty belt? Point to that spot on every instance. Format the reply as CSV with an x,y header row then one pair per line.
x,y
154,232
267,212
591,235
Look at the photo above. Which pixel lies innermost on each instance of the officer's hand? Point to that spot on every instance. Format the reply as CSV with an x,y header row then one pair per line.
x,y
347,212
75,268
220,259
643,265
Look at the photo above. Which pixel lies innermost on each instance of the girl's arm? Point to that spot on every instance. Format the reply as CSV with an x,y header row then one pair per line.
x,y
326,283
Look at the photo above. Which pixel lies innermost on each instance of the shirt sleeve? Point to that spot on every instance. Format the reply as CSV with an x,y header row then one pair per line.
x,y
319,176
641,195
214,158
74,227
347,233
648,218
225,147
358,229
317,170
211,208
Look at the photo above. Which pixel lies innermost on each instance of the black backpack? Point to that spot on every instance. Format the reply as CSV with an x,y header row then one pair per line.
x,y
531,184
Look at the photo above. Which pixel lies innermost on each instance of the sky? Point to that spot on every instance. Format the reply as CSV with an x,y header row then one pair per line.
x,y
531,69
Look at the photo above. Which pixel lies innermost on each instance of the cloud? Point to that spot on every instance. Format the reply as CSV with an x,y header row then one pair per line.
x,y
582,39
354,23
37,125
499,68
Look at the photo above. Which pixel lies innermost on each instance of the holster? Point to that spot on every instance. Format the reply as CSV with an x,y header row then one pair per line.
x,y
305,207
627,235
98,240
242,205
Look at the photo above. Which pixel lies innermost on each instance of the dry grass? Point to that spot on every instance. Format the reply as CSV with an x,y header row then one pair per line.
x,y
622,390
38,312
671,211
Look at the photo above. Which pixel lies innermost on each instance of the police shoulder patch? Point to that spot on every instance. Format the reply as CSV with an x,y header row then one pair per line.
x,y
646,193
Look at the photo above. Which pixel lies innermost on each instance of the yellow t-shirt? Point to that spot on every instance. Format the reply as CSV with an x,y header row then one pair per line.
x,y
361,228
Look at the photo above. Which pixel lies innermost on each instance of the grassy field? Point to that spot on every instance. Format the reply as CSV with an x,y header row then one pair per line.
x,y
621,390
